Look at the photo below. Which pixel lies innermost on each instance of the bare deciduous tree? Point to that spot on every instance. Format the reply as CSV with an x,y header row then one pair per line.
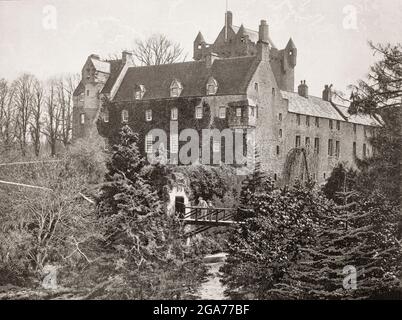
x,y
65,90
23,101
156,50
36,119
6,114
52,118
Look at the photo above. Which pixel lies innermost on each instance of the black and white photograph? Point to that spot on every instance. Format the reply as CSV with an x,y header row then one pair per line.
x,y
183,151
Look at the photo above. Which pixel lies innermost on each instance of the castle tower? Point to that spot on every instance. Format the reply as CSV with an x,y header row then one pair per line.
x,y
199,47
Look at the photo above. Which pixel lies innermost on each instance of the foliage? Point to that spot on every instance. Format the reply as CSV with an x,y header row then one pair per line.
x,y
342,179
381,94
145,246
297,243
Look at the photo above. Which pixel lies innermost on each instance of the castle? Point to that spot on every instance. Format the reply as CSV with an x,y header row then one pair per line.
x,y
241,82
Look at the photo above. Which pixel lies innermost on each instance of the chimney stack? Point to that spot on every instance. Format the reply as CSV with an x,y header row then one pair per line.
x,y
327,93
303,89
126,56
229,19
263,42
263,34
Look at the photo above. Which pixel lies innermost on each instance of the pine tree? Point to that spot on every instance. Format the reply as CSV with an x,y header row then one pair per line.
x,y
254,183
361,235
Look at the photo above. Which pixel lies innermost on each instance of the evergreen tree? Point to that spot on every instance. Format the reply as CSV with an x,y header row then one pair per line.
x,y
149,257
362,235
256,182
267,245
381,94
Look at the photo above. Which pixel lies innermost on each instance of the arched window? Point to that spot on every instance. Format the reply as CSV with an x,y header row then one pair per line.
x,y
124,116
175,89
212,86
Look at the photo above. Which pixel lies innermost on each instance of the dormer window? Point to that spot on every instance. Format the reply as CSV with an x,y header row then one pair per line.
x,y
212,86
175,89
124,116
139,92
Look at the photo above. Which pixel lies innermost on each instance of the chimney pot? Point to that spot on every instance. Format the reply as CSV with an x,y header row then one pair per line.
x,y
327,93
126,55
303,89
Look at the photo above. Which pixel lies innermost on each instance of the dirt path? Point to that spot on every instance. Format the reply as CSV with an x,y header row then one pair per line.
x,y
212,289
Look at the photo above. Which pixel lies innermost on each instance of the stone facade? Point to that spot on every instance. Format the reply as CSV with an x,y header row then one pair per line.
x,y
243,73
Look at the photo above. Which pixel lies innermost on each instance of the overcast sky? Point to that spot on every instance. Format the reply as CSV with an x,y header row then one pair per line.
x,y
47,37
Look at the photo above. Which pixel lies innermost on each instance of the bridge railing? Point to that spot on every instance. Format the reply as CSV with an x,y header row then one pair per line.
x,y
208,214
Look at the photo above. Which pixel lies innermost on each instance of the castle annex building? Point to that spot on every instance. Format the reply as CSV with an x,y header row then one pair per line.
x,y
241,82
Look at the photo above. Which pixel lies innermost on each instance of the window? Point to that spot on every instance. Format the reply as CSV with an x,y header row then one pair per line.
x,y
87,93
280,133
148,115
124,116
298,141
331,124
317,145
364,150
174,114
337,149
354,149
275,177
317,122
280,117
354,128
365,132
338,125
149,141
175,89
273,92
212,86
216,148
307,142
298,119
330,147
256,86
82,118
198,112
222,112
278,150
238,112
106,116
308,121
174,143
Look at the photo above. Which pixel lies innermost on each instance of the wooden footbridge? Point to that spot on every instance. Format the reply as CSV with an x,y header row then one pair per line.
x,y
206,218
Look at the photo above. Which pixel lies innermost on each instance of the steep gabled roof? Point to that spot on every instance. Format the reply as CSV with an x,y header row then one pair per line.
x,y
318,107
360,118
115,68
311,106
232,75
101,66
